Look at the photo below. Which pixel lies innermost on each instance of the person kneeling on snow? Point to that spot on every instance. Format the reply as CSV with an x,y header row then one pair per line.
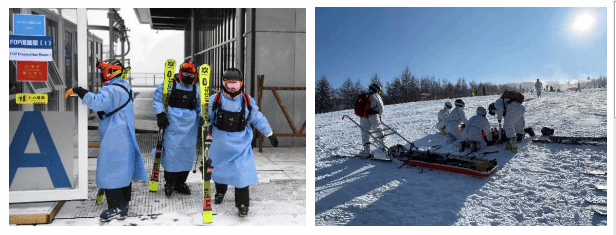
x,y
181,124
513,113
231,150
373,122
119,159
443,117
456,117
472,136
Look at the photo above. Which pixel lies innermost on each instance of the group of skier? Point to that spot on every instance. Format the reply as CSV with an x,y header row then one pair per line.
x,y
470,132
119,159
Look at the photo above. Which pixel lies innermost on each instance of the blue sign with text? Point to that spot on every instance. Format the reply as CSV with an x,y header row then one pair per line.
x,y
25,24
30,42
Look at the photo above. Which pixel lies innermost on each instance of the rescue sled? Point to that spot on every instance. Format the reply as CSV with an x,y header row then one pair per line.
x,y
411,155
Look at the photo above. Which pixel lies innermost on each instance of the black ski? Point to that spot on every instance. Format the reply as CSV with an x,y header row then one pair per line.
x,y
371,157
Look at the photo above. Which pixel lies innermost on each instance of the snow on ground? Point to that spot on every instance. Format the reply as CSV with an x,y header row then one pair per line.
x,y
544,184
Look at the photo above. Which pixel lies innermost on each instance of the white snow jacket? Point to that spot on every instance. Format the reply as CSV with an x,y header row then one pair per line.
x,y
443,118
500,105
474,127
376,103
538,85
456,116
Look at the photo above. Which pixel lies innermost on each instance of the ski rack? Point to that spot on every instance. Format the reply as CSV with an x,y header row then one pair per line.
x,y
387,128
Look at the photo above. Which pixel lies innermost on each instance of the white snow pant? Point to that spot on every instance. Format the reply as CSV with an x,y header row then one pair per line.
x,y
441,125
474,134
514,120
372,124
454,129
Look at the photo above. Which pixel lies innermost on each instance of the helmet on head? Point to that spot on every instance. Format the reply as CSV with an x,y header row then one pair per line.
x,y
481,111
492,109
448,105
374,88
459,103
233,81
109,68
188,73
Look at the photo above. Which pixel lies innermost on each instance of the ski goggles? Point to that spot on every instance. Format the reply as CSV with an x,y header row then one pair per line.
x,y
232,84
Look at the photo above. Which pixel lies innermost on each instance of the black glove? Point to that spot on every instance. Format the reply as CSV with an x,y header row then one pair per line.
x,y
273,140
80,91
161,120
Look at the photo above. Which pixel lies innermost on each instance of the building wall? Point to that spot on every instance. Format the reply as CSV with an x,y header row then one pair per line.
x,y
280,55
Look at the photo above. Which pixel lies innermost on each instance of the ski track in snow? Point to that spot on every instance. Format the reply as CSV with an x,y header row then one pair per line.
x,y
544,184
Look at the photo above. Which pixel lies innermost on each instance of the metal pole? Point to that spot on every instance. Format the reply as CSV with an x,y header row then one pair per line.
x,y
239,39
111,16
192,35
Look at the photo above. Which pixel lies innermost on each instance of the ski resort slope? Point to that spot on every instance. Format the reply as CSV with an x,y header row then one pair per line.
x,y
543,184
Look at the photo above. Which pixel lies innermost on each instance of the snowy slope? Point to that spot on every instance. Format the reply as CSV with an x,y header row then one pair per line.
x,y
544,184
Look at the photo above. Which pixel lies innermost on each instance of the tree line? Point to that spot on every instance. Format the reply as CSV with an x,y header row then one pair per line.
x,y
407,87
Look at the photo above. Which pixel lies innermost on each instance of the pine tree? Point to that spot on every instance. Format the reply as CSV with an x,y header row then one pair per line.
x,y
323,96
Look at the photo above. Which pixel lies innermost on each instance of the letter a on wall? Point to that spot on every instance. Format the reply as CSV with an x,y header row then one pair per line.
x,y
45,154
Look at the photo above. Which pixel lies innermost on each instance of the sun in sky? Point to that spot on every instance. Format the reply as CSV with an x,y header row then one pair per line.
x,y
583,22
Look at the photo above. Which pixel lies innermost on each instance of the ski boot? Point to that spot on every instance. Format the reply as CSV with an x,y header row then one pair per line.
x,y
512,145
462,146
183,189
118,213
443,132
242,210
519,137
218,198
474,146
168,190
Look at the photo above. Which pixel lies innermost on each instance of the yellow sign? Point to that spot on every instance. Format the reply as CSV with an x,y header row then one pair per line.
x,y
23,98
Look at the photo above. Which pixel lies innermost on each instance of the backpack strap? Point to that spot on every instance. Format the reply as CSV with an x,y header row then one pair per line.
x,y
102,115
247,102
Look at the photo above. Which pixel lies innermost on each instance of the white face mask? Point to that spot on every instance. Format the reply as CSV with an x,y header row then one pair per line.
x,y
233,86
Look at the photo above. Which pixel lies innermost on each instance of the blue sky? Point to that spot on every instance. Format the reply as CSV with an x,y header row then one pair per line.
x,y
498,45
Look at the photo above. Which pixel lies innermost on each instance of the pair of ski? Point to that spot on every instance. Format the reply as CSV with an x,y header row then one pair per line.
x,y
206,139
572,140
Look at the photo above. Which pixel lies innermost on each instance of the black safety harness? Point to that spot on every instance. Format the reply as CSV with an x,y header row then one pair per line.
x,y
102,115
183,99
231,121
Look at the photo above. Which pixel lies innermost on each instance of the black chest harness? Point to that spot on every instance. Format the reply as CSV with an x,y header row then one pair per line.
x,y
231,121
183,99
102,115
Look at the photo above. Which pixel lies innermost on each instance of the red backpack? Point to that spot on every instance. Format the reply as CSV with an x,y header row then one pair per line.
x,y
513,95
362,105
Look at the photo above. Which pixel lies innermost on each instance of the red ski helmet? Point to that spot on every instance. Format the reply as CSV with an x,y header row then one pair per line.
x,y
109,68
188,73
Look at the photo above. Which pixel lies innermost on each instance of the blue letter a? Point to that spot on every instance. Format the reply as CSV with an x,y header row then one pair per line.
x,y
32,122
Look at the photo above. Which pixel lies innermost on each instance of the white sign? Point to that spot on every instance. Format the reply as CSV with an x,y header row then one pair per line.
x,y
23,54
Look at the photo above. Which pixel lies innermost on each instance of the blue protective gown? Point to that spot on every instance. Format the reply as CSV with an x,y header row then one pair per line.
x,y
180,140
119,159
231,152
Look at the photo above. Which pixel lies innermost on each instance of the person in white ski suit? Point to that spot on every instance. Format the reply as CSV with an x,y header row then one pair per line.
x,y
443,117
456,117
538,86
513,113
473,130
373,122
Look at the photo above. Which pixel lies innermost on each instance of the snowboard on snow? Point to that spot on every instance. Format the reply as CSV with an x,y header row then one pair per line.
x,y
154,178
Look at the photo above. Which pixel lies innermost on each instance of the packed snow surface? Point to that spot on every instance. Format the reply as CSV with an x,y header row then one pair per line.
x,y
543,184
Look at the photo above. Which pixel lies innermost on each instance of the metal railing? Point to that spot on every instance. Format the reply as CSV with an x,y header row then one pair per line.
x,y
145,79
